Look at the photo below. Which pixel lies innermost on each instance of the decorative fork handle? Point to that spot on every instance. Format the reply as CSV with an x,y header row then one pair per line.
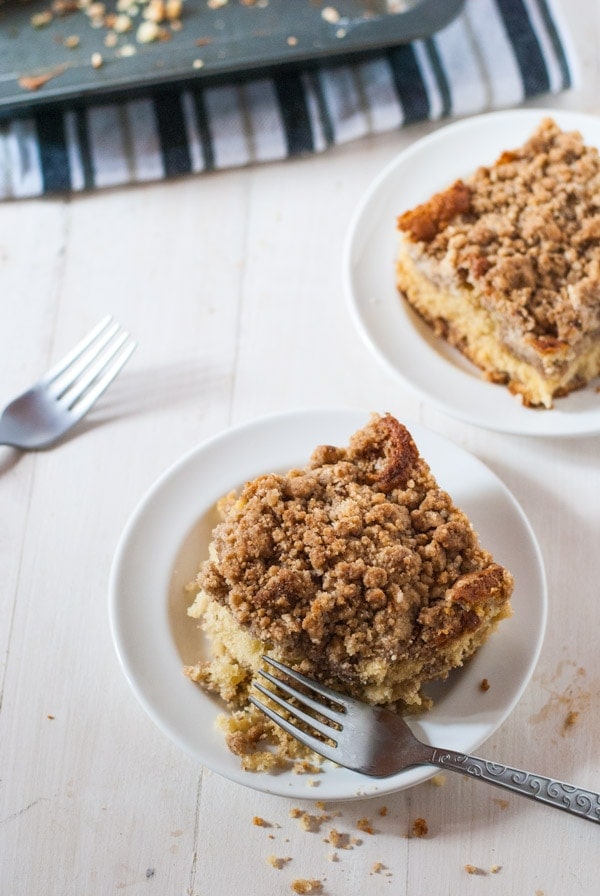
x,y
584,803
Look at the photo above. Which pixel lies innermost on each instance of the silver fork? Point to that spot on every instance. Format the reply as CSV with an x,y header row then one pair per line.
x,y
43,414
379,743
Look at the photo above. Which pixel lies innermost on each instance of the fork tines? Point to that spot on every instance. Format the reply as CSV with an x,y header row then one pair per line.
x,y
320,725
86,371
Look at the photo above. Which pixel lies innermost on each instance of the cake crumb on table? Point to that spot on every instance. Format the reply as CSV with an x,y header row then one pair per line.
x,y
308,822
363,824
339,840
278,862
419,828
304,885
474,869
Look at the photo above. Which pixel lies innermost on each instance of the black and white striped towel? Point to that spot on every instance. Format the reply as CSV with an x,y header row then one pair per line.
x,y
494,55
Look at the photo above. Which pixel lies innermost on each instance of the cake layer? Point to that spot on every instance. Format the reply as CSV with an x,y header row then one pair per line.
x,y
455,314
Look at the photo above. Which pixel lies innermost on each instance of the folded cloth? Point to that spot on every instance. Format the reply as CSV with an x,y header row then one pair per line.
x,y
494,55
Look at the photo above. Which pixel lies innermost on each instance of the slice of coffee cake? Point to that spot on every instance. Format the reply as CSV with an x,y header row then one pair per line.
x,y
505,266
357,570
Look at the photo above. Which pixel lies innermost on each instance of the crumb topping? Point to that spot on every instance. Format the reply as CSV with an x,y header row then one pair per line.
x,y
526,233
358,557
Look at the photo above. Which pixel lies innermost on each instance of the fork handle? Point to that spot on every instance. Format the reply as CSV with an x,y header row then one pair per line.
x,y
584,803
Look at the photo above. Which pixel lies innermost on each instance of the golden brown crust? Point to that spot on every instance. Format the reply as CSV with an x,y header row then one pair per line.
x,y
424,222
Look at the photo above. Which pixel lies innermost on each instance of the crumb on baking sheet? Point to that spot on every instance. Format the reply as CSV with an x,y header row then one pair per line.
x,y
34,82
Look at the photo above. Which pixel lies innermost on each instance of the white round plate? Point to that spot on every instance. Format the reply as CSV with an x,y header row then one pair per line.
x,y
167,537
436,372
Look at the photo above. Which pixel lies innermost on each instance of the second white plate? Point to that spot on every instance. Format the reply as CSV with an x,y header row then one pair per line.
x,y
401,341
167,537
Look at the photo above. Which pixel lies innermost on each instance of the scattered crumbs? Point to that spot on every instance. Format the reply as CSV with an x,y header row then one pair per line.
x,y
308,822
71,41
439,780
303,767
339,840
260,822
292,41
570,719
304,885
363,824
50,716
377,868
149,872
41,19
474,869
333,857
197,63
485,685
419,828
504,804
495,869
278,862
320,805
330,14
126,50
148,32
383,811
34,82
97,60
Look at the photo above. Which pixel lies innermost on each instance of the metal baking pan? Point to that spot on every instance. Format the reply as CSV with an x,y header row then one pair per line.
x,y
212,39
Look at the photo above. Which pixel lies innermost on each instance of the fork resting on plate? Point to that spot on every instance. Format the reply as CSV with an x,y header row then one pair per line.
x,y
43,414
379,743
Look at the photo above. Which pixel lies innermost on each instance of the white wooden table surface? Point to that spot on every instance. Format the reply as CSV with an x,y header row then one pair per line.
x,y
231,283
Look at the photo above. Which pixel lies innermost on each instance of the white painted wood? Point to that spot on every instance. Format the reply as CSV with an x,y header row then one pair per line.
x,y
231,283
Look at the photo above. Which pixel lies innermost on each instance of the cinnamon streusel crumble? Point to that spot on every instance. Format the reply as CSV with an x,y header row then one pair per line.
x,y
357,570
505,265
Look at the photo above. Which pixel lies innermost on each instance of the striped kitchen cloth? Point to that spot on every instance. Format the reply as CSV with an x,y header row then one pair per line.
x,y
494,55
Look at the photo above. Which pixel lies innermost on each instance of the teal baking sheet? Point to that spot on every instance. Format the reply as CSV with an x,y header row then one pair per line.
x,y
210,39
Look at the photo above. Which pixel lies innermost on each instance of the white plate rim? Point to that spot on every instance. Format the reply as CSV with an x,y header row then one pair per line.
x,y
142,538
454,388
